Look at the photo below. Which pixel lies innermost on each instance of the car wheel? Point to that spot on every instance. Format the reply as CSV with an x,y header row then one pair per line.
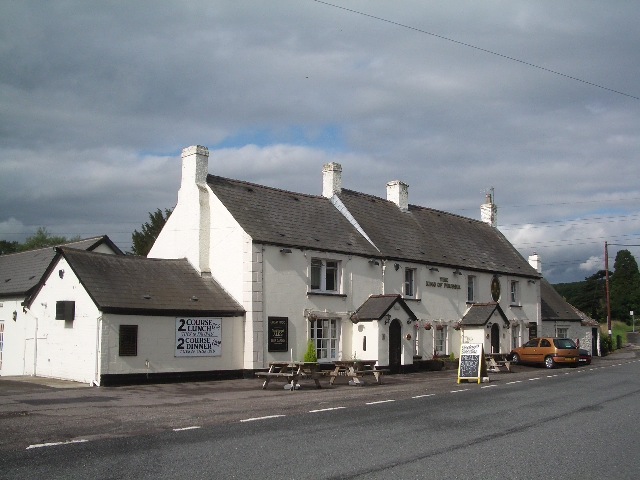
x,y
549,363
515,358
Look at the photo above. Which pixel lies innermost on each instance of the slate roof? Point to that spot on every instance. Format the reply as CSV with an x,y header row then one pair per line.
x,y
21,272
479,314
280,217
377,306
434,237
554,306
129,284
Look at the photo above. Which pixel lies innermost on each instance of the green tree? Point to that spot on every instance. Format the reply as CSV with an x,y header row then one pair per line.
x,y
42,238
141,242
9,247
624,285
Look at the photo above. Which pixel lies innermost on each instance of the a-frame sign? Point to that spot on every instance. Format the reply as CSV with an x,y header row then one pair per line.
x,y
472,365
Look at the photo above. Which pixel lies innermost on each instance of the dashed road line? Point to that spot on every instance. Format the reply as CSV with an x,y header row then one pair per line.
x,y
261,418
326,409
54,444
462,390
195,427
379,401
423,396
488,386
515,381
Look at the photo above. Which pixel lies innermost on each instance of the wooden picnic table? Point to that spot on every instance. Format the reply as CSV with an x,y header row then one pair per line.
x,y
498,361
290,372
355,370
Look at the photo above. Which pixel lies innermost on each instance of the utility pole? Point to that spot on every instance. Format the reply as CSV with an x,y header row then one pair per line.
x,y
633,321
606,273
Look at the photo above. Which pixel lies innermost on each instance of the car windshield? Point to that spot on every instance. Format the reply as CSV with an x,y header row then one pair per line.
x,y
564,343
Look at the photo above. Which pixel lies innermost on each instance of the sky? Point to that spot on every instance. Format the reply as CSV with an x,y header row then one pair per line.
x,y
537,100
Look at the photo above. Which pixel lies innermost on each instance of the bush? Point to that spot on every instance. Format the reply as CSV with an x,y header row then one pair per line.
x,y
311,355
606,344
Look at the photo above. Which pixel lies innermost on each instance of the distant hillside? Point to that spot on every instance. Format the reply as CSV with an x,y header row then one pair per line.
x,y
588,296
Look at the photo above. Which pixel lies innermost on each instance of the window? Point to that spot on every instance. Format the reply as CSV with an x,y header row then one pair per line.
x,y
471,288
515,336
409,282
441,341
562,332
514,293
325,275
324,333
128,341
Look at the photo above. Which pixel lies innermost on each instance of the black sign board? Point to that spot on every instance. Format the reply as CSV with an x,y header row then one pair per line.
x,y
278,334
472,365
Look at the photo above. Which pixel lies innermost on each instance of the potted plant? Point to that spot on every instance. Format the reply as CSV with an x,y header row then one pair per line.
x,y
427,326
311,355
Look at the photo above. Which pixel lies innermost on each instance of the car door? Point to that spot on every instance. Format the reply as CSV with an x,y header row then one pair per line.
x,y
543,350
529,350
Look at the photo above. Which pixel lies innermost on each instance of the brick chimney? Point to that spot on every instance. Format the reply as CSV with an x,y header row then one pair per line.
x,y
331,179
398,193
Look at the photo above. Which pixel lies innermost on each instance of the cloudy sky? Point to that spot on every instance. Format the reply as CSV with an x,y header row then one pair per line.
x,y
539,100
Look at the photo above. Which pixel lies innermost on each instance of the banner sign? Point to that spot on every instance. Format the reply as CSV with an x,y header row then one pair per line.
x,y
198,337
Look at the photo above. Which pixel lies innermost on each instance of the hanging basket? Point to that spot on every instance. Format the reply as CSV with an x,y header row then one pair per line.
x,y
427,326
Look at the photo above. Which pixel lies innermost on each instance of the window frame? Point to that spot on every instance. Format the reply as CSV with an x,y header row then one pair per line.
x,y
562,332
410,283
327,345
128,340
471,288
325,266
514,292
440,340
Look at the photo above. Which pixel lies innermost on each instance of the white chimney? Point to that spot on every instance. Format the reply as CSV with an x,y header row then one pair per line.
x,y
331,179
489,211
398,193
536,262
195,165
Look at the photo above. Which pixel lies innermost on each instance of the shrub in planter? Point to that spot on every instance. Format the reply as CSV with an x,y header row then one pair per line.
x,y
311,355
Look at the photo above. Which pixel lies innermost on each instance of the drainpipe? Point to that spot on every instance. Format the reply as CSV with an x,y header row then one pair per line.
x,y
96,375
384,266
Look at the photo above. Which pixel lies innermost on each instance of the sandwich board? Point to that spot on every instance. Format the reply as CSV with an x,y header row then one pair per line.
x,y
472,365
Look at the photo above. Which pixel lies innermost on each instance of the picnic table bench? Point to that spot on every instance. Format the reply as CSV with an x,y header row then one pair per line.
x,y
291,372
355,370
497,362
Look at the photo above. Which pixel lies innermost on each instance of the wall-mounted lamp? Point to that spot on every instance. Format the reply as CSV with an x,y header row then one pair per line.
x,y
285,250
489,324
61,273
373,261
531,281
15,315
396,266
434,269
457,272
387,319
409,321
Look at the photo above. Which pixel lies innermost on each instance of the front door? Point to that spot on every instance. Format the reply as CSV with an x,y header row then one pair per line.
x,y
495,338
395,346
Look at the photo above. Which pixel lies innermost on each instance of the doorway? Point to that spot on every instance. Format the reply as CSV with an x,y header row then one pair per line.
x,y
395,346
495,338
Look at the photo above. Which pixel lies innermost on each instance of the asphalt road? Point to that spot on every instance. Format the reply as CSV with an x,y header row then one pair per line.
x,y
566,423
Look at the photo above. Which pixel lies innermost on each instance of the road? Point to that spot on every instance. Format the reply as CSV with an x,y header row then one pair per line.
x,y
566,423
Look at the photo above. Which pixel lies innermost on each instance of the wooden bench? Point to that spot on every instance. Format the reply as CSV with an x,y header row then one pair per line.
x,y
355,370
496,365
291,373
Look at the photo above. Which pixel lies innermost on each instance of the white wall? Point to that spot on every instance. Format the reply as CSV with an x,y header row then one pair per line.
x,y
157,346
15,334
64,349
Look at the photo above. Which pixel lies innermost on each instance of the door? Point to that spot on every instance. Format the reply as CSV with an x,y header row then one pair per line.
x,y
395,346
495,338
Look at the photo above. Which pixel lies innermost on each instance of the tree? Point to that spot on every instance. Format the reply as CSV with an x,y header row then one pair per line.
x,y
141,242
624,285
42,238
9,247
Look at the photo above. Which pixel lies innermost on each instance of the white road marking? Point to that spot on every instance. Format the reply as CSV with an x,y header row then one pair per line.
x,y
379,401
326,409
185,428
515,381
488,386
53,444
536,378
456,391
423,396
261,418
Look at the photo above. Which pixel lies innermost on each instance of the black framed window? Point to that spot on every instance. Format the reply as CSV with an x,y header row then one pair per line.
x,y
128,344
